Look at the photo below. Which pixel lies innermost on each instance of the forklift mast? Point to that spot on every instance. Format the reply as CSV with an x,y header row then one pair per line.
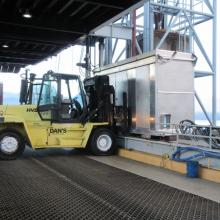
x,y
101,99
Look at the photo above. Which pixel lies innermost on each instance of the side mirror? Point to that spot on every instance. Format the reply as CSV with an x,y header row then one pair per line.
x,y
23,91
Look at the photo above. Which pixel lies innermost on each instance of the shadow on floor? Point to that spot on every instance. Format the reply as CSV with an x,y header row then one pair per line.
x,y
29,152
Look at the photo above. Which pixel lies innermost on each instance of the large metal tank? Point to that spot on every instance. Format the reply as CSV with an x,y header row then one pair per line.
x,y
159,87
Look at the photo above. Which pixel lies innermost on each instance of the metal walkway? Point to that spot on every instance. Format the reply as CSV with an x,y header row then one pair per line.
x,y
76,187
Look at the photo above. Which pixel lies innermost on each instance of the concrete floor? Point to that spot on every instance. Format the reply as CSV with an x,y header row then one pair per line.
x,y
203,188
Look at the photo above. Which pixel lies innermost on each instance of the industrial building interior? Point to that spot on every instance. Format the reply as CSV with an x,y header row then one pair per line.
x,y
117,137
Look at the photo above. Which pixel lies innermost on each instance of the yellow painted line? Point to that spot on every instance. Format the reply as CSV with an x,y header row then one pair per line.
x,y
164,162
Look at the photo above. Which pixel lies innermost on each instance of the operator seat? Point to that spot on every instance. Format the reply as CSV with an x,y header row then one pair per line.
x,y
65,109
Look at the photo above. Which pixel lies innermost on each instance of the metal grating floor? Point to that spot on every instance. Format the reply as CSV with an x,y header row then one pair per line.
x,y
76,187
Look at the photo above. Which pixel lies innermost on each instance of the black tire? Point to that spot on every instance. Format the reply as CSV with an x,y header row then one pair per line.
x,y
104,135
12,153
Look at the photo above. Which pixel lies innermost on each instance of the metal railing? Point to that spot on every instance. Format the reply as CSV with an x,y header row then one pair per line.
x,y
189,133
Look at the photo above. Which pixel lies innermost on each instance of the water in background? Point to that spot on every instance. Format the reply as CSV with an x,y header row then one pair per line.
x,y
205,122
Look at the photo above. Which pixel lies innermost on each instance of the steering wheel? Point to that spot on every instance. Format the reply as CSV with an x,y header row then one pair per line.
x,y
77,105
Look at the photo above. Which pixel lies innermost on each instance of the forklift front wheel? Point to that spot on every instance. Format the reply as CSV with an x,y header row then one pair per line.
x,y
11,145
102,142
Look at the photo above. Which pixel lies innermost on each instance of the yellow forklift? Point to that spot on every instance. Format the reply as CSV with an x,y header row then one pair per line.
x,y
59,111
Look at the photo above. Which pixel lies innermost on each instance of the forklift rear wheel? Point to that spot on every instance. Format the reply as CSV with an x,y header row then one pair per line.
x,y
11,145
102,142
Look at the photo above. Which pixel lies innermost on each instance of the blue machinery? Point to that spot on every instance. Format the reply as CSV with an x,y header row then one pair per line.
x,y
192,160
199,154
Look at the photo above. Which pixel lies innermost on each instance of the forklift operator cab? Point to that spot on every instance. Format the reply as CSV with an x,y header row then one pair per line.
x,y
58,116
61,98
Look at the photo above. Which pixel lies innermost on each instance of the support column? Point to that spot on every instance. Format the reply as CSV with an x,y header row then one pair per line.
x,y
214,54
148,35
101,52
133,19
108,51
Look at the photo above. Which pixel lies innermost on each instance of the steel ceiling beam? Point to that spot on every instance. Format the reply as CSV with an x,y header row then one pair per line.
x,y
21,51
108,5
26,58
37,39
50,5
91,11
68,3
36,2
78,9
16,61
44,28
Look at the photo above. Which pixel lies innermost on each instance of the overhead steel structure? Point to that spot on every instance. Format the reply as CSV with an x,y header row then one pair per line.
x,y
31,31
164,24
